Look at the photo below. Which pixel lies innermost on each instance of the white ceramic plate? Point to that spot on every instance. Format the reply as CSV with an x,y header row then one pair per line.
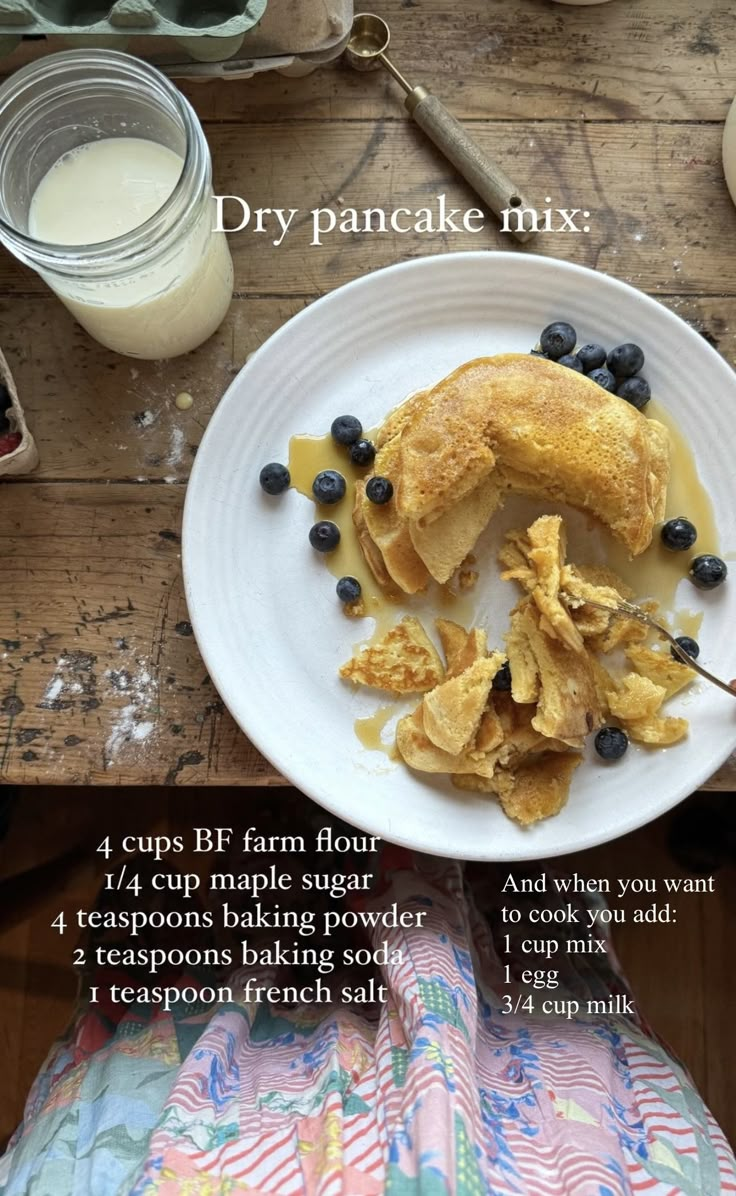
x,y
263,604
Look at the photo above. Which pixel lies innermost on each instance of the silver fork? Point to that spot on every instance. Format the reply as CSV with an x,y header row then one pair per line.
x,y
629,610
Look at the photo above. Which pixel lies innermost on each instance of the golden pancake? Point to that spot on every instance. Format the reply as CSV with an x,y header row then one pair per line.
x,y
452,711
453,638
398,418
461,648
548,431
567,702
417,750
542,550
444,544
657,731
635,697
490,734
389,534
660,668
404,661
538,789
369,548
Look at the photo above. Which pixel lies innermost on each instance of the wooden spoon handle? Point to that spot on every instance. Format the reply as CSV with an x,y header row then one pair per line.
x,y
486,177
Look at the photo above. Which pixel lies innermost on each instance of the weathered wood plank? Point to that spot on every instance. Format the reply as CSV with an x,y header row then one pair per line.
x,y
101,678
660,213
511,61
100,417
96,415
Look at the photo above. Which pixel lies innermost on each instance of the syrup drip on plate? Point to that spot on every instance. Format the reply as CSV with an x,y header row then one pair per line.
x,y
369,730
658,572
308,456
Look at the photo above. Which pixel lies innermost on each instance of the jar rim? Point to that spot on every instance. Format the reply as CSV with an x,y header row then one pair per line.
x,y
146,241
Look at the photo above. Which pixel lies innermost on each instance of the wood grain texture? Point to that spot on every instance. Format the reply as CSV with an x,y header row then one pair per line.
x,y
512,59
102,681
660,213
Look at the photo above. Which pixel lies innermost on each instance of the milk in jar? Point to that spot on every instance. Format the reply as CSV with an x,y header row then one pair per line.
x,y
104,189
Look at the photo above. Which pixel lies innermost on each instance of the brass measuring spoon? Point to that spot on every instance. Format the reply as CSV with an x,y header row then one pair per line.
x,y
366,51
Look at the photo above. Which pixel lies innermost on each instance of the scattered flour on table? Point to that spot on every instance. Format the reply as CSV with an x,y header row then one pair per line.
x,y
132,723
176,446
64,682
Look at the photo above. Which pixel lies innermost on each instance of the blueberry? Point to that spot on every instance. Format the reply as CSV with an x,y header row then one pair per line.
x,y
324,536
502,680
328,487
346,429
707,571
611,743
691,646
678,534
348,589
571,361
591,357
636,391
379,490
362,452
604,378
558,339
274,478
625,360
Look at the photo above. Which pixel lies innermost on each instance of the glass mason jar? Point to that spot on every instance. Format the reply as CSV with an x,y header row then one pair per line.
x,y
160,289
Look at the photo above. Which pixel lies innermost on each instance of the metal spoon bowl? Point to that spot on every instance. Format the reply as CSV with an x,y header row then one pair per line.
x,y
369,38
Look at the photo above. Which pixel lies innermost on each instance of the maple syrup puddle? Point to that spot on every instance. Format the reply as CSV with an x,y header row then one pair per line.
x,y
308,456
658,572
369,730
655,574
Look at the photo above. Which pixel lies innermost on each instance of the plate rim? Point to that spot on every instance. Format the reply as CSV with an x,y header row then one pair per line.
x,y
261,741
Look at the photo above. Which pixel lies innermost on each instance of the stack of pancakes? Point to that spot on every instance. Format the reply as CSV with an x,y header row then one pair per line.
x,y
508,424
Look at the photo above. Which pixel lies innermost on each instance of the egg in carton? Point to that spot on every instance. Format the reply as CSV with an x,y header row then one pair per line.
x,y
23,458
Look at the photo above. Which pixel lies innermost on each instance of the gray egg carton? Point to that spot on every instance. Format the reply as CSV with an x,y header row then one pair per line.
x,y
176,18
245,36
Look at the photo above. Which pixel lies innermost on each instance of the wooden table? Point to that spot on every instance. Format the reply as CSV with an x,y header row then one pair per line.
x,y
616,108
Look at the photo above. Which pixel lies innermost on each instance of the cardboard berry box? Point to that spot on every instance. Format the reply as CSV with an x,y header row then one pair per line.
x,y
24,457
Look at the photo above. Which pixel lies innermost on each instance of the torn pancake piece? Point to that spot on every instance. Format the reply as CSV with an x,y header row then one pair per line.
x,y
453,711
567,700
444,544
403,661
635,703
536,559
461,648
538,789
418,752
661,668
